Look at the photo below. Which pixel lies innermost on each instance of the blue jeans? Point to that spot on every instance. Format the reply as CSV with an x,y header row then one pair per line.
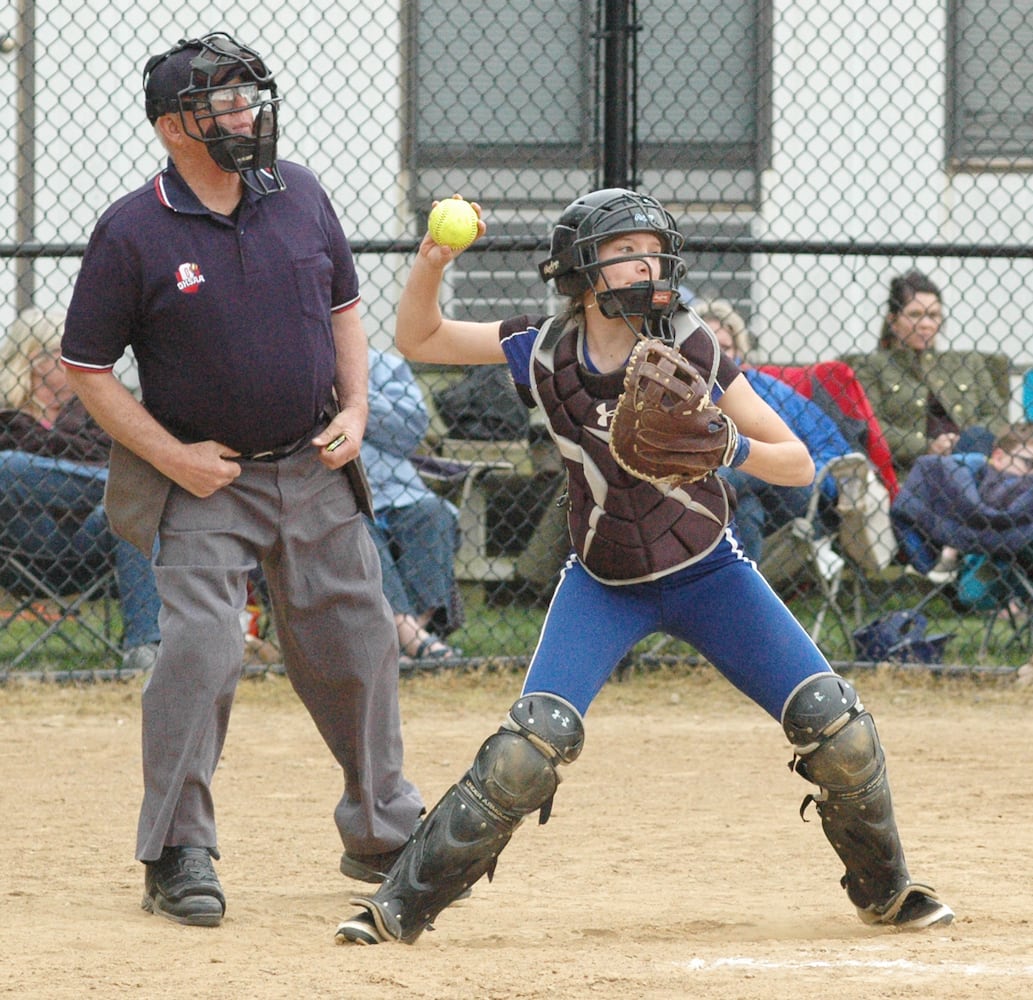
x,y
51,513
417,546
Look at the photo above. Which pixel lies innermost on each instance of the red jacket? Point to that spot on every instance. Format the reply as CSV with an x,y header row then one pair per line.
x,y
839,381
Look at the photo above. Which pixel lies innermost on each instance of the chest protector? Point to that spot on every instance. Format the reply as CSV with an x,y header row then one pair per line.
x,y
624,529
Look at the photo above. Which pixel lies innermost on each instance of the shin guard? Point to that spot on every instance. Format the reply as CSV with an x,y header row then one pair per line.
x,y
838,749
513,775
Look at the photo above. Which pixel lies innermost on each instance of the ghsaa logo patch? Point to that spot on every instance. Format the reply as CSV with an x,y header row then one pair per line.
x,y
189,278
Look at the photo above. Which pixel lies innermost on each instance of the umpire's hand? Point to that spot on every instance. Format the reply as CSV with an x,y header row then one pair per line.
x,y
203,468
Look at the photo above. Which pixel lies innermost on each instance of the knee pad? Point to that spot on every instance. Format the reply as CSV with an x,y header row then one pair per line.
x,y
836,744
552,724
516,767
818,706
511,776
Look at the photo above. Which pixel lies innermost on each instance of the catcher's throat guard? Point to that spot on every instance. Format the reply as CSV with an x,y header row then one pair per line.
x,y
665,428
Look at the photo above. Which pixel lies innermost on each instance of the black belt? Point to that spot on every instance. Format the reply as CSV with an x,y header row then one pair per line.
x,y
285,450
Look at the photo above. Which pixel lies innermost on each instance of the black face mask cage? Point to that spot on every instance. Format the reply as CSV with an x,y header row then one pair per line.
x,y
252,156
671,271
223,64
654,301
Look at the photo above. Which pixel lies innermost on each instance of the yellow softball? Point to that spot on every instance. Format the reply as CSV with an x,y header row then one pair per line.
x,y
453,223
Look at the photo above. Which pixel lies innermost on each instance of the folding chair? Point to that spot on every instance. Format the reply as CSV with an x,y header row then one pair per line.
x,y
820,547
71,603
834,386
802,552
847,555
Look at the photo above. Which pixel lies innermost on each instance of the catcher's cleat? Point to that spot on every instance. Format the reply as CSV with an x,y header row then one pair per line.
x,y
360,929
182,886
369,867
912,909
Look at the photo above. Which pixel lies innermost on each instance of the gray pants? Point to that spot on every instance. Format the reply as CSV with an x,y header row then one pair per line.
x,y
338,638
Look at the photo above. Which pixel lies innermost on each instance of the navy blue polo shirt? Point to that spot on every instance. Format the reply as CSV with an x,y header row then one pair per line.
x,y
229,319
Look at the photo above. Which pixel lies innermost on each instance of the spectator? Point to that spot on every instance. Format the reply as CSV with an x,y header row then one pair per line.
x,y
53,468
764,507
974,512
415,530
928,401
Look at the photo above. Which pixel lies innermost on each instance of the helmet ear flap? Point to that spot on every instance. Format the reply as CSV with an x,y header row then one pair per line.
x,y
561,267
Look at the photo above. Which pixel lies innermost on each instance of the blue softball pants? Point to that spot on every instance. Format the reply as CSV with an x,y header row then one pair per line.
x,y
721,605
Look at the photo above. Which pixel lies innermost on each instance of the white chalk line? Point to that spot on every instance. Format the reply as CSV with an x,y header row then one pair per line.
x,y
981,969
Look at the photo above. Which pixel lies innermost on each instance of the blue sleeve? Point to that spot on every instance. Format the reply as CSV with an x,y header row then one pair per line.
x,y
517,337
808,421
398,418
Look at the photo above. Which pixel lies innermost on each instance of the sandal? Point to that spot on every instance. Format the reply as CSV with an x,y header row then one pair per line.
x,y
433,648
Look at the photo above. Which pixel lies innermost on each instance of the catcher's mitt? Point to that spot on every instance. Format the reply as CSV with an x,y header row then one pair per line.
x,y
665,427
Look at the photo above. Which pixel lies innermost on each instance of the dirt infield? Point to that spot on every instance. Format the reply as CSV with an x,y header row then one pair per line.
x,y
675,863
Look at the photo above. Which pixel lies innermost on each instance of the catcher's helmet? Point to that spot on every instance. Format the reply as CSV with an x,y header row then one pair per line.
x,y
213,76
600,216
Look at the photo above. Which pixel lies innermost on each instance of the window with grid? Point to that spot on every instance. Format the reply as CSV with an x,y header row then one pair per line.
x,y
990,82
494,80
496,86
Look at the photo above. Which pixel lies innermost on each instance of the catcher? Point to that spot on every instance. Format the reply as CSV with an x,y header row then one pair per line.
x,y
642,418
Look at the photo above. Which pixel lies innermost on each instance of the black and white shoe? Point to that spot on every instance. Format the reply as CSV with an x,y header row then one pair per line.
x,y
914,908
360,929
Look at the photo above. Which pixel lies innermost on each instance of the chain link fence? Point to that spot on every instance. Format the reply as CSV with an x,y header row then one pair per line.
x,y
811,152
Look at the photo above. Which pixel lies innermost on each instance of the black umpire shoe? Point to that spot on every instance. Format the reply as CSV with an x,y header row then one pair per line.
x,y
369,867
182,885
374,868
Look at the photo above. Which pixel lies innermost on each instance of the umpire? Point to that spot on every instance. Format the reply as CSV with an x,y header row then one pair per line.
x,y
231,279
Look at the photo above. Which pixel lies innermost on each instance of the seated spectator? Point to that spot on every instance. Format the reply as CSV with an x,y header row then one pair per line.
x,y
763,507
415,530
53,468
976,511
928,401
